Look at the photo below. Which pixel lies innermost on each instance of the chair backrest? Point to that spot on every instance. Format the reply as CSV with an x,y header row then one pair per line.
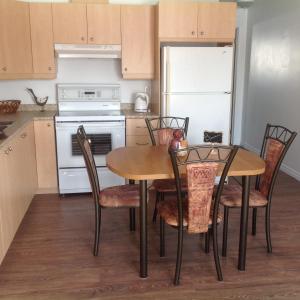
x,y
85,147
163,128
201,164
276,142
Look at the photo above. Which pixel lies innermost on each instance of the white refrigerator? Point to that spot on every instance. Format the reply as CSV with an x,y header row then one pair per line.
x,y
197,83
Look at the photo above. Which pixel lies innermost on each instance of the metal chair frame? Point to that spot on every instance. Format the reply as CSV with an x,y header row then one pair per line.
x,y
94,181
155,124
179,161
286,137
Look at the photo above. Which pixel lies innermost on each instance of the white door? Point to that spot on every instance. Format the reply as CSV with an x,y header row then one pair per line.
x,y
206,112
198,69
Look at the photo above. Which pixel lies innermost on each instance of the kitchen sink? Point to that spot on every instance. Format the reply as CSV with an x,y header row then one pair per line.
x,y
6,123
3,125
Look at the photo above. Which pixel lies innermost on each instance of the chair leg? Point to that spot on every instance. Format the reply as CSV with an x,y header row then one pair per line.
x,y
158,195
268,228
254,215
97,229
207,240
216,253
225,231
179,256
162,238
132,218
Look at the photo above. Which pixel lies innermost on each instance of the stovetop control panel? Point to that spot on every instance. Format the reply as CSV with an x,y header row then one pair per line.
x,y
88,92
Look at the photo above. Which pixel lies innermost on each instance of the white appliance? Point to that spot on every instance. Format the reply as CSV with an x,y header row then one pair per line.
x,y
197,83
87,51
141,102
97,108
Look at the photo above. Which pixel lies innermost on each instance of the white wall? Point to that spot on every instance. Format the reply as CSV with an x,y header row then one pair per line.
x,y
273,74
74,71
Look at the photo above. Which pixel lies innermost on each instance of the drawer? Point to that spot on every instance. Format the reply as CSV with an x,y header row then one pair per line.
x,y
136,127
138,140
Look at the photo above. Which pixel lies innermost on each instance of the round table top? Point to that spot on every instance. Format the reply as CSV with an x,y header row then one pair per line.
x,y
153,162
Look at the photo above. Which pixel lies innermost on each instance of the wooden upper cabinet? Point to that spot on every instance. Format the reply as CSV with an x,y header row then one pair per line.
x,y
217,21
42,38
69,23
104,24
178,19
15,42
137,23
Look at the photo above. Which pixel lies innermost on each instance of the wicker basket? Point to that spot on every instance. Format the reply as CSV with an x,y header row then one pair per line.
x,y
9,106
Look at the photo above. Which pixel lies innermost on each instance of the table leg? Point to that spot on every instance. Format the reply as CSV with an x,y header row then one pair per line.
x,y
244,223
143,229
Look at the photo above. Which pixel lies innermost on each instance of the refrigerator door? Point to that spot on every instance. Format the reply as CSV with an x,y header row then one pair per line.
x,y
197,69
210,113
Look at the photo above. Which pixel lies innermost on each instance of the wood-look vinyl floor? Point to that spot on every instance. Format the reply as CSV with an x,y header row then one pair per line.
x,y
50,257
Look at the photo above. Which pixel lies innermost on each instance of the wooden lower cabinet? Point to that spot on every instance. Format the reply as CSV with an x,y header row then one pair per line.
x,y
46,156
137,133
18,183
138,140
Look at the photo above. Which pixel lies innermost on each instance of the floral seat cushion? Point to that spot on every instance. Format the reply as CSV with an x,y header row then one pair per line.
x,y
168,185
120,196
232,197
168,210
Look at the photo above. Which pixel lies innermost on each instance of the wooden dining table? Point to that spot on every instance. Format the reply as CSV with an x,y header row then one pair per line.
x,y
143,163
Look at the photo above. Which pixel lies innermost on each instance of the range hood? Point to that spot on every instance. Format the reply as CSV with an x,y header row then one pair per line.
x,y
87,51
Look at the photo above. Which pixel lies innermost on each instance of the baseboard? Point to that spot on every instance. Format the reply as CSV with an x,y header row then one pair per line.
x,y
284,168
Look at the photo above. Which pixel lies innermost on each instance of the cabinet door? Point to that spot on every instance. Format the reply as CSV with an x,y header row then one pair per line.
x,y
104,24
42,38
137,23
217,21
6,225
69,23
15,42
178,19
45,154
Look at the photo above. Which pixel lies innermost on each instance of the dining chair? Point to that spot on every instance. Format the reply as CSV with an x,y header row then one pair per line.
x,y
123,196
276,142
198,209
161,133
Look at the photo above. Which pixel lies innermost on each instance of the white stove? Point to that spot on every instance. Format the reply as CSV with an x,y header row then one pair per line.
x,y
97,108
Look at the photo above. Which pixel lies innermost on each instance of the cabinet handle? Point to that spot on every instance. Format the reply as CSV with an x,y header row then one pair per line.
x,y
49,125
125,69
6,152
201,32
142,144
193,32
4,69
91,39
49,68
82,38
23,136
10,149
139,127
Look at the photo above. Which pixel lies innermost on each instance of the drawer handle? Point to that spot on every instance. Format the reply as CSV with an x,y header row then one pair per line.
x,y
142,144
48,124
6,152
23,136
141,127
10,149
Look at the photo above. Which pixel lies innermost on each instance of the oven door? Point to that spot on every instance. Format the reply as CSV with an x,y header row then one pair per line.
x,y
104,137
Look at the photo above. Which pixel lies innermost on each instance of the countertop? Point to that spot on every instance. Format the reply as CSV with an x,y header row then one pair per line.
x,y
20,120
131,114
